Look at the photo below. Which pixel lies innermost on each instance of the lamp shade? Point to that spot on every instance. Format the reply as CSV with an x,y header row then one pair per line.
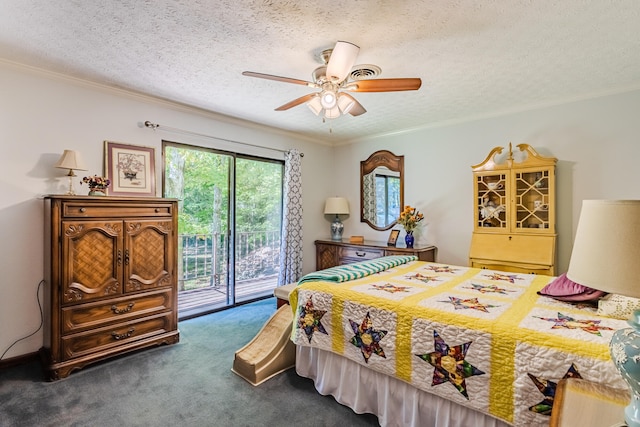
x,y
336,205
342,58
332,113
71,159
315,105
606,249
345,102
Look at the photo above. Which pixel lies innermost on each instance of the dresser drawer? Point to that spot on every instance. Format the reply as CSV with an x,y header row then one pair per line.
x,y
91,315
359,253
108,337
110,209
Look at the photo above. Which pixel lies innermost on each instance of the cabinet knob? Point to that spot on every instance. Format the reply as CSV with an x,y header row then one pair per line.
x,y
509,237
157,210
361,254
83,210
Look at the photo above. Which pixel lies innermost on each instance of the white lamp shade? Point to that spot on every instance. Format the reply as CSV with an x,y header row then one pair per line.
x,y
342,58
345,102
336,205
315,105
333,113
606,250
71,159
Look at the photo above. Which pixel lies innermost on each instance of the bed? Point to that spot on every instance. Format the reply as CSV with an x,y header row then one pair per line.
x,y
430,344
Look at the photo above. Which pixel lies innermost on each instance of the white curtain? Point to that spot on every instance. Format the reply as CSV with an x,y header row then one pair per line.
x,y
291,239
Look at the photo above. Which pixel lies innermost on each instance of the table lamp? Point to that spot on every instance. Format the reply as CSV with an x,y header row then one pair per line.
x,y
336,206
71,160
606,256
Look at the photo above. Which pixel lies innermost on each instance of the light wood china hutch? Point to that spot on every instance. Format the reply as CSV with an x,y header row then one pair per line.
x,y
514,212
110,273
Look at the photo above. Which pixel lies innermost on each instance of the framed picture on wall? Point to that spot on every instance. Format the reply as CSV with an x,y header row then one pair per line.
x,y
393,237
130,168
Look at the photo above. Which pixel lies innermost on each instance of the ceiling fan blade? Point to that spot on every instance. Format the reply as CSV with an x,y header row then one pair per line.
x,y
279,79
296,101
357,108
384,85
341,61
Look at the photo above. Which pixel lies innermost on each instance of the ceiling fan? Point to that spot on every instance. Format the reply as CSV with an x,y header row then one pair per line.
x,y
336,76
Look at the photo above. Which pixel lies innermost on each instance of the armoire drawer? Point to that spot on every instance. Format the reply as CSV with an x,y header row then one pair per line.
x,y
97,340
111,209
91,315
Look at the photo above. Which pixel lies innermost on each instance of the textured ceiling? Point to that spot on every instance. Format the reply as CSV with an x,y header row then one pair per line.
x,y
475,58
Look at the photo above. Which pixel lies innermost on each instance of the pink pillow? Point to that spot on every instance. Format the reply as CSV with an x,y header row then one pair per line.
x,y
563,289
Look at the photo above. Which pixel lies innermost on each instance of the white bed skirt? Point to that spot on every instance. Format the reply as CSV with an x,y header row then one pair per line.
x,y
395,402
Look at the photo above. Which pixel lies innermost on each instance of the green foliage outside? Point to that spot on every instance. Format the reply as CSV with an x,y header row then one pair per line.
x,y
201,180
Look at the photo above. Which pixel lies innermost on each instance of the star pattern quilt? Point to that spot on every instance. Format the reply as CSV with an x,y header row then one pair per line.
x,y
482,338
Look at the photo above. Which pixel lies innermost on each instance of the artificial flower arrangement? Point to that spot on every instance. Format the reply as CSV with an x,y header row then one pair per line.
x,y
96,182
409,218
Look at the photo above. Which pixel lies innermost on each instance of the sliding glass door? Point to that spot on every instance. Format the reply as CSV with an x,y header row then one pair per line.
x,y
230,216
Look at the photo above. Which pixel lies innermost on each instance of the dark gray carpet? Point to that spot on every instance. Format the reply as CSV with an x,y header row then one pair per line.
x,y
188,384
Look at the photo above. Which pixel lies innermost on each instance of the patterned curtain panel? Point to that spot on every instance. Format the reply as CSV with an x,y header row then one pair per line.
x,y
369,197
291,241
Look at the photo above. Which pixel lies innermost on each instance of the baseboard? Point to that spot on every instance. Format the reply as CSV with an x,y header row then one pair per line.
x,y
18,360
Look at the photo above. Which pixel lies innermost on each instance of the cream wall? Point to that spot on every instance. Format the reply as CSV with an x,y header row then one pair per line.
x,y
596,141
42,114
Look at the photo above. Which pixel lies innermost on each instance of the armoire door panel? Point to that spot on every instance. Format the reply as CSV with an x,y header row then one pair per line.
x,y
92,251
148,258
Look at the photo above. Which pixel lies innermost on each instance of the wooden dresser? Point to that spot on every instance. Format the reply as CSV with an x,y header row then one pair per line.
x,y
330,253
110,273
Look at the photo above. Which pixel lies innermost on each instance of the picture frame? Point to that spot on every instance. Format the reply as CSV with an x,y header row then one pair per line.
x,y
130,168
393,237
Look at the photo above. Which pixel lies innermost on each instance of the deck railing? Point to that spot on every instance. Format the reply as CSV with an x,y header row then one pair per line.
x,y
204,258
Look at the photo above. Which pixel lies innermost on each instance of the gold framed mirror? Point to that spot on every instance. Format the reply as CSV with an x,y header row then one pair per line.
x,y
381,189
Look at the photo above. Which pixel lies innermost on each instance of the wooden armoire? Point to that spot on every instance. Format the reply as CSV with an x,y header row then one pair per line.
x,y
110,278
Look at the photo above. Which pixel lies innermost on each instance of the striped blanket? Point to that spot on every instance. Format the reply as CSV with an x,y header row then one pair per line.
x,y
343,273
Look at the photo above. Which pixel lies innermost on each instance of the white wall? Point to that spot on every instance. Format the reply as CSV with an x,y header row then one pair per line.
x,y
42,114
596,142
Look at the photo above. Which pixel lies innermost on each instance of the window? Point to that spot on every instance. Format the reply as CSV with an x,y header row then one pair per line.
x,y
230,218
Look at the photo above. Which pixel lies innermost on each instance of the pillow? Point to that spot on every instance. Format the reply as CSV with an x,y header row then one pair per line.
x,y
563,289
618,306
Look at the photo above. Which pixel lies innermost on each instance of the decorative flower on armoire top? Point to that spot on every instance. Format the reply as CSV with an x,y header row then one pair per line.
x,y
96,182
409,218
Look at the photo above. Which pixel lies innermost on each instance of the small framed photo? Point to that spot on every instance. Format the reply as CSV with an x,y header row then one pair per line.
x,y
130,168
393,237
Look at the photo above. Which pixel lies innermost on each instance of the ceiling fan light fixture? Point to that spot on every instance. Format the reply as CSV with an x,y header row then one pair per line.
x,y
345,103
315,105
328,99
